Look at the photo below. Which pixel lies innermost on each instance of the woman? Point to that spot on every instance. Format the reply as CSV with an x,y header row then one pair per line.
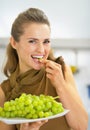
x,y
31,68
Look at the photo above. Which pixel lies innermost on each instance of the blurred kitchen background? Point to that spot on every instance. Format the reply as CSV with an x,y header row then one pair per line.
x,y
70,24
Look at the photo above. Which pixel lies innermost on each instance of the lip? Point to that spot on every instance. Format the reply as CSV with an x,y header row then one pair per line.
x,y
37,56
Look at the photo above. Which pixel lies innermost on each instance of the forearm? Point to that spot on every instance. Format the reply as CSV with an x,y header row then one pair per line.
x,y
4,126
77,117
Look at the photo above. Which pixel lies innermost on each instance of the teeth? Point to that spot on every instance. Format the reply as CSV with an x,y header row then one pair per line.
x,y
38,57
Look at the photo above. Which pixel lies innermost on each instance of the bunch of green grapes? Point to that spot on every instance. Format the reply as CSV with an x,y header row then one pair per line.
x,y
31,107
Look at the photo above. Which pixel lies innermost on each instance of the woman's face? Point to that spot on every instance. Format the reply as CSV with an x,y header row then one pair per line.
x,y
34,43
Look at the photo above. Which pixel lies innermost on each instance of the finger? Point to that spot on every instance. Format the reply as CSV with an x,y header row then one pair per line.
x,y
43,61
24,126
49,70
37,125
45,121
52,65
42,123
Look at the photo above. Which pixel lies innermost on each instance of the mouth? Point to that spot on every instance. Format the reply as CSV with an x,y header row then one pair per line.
x,y
37,57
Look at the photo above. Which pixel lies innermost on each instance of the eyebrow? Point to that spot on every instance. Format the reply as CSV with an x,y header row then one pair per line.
x,y
38,39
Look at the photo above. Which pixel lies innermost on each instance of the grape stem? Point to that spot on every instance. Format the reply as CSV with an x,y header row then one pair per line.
x,y
56,97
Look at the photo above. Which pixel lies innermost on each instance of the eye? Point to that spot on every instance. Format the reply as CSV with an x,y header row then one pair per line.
x,y
46,41
32,41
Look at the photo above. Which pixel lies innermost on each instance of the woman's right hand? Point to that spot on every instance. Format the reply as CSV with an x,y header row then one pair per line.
x,y
32,126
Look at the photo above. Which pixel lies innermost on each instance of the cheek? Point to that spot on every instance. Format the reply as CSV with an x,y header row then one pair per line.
x,y
48,51
48,48
23,52
26,50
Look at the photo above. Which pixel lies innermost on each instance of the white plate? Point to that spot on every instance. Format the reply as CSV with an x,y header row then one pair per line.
x,y
24,120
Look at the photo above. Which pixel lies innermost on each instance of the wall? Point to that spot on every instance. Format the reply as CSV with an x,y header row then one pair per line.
x,y
69,19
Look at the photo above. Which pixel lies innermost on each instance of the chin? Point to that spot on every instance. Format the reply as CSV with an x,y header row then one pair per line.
x,y
38,67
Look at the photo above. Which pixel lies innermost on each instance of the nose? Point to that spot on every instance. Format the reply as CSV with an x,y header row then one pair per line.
x,y
40,47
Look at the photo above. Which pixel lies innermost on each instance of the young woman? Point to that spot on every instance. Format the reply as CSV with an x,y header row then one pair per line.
x,y
30,41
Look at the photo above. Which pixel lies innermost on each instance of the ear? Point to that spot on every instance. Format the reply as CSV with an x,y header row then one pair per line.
x,y
13,42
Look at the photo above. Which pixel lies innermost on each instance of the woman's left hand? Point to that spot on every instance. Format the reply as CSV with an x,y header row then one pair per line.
x,y
32,126
54,73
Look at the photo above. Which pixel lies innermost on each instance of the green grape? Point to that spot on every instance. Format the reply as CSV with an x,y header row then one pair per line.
x,y
54,110
16,100
7,114
31,107
19,113
33,111
35,98
28,116
15,113
40,102
48,104
41,114
13,108
3,114
21,106
6,104
34,116
27,101
12,114
1,109
35,103
50,113
46,114
18,107
21,99
38,108
26,109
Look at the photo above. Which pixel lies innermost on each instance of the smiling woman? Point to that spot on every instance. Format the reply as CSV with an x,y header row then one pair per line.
x,y
33,43
30,40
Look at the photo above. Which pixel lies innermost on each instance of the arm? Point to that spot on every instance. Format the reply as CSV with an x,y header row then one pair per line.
x,y
4,126
77,118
